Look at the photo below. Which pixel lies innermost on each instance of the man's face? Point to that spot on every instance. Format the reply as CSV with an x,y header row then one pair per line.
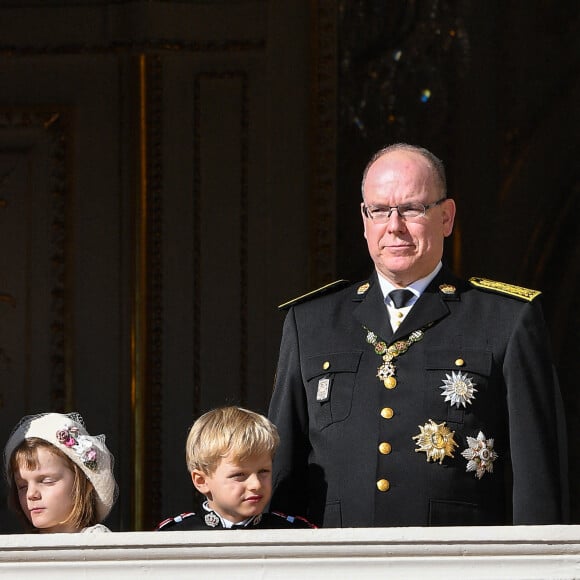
x,y
405,250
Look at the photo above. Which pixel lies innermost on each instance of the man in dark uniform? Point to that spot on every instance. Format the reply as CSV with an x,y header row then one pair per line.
x,y
435,404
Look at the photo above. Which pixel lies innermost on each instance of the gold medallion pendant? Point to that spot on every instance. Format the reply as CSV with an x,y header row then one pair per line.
x,y
387,370
436,440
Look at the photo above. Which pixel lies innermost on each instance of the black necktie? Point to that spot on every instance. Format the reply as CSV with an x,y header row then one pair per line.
x,y
400,297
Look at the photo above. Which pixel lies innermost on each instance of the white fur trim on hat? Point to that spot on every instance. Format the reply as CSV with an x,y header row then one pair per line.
x,y
68,434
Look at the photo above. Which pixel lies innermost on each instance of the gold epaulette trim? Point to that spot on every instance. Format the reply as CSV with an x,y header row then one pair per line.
x,y
506,289
336,285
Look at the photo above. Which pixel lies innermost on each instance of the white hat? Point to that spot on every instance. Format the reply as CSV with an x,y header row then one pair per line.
x,y
68,434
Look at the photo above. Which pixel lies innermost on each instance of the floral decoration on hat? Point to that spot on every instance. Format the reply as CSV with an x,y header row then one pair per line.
x,y
80,444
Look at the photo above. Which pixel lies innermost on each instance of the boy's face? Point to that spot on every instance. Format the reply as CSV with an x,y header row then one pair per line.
x,y
46,493
237,491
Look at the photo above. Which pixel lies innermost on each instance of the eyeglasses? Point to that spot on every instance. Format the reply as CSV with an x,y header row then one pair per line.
x,y
381,215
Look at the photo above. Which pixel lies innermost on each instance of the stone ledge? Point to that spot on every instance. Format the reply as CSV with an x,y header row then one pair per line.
x,y
488,552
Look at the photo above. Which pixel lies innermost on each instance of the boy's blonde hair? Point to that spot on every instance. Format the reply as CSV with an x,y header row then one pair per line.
x,y
228,430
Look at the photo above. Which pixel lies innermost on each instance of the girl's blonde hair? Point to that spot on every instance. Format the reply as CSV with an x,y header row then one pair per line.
x,y
228,431
84,512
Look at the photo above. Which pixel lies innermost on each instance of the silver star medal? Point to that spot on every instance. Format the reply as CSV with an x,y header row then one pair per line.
x,y
458,388
480,455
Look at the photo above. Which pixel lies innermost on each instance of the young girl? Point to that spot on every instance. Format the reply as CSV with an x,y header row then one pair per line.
x,y
60,477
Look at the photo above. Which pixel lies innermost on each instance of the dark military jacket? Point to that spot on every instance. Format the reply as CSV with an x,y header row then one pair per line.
x,y
209,520
348,457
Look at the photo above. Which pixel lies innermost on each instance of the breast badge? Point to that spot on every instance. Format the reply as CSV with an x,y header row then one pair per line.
x,y
448,289
212,520
458,389
323,390
480,455
436,440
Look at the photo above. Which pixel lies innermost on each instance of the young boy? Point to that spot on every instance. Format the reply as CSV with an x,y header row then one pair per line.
x,y
229,454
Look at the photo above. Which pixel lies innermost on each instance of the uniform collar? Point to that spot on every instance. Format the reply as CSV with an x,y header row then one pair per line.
x,y
432,305
430,308
417,287
212,518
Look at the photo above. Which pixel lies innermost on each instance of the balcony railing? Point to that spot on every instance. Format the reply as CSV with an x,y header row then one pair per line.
x,y
419,553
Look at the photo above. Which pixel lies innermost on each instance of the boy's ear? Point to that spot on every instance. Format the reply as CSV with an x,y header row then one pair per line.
x,y
199,479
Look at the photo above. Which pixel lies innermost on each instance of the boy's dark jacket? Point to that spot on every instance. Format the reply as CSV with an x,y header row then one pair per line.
x,y
209,520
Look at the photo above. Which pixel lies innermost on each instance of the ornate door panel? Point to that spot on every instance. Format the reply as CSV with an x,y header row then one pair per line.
x,y
154,210
64,252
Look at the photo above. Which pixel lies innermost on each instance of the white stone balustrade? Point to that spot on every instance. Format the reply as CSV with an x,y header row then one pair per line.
x,y
530,552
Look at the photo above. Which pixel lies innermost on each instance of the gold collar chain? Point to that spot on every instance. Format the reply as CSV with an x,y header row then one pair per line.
x,y
387,371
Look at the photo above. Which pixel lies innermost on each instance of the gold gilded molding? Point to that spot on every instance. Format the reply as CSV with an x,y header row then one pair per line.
x,y
147,316
9,299
139,318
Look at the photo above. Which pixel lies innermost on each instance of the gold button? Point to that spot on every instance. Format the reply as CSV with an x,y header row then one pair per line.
x,y
383,485
390,382
387,412
385,448
325,365
459,362
399,315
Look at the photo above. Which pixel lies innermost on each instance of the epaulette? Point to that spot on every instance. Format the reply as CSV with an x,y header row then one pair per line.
x,y
336,285
175,520
506,289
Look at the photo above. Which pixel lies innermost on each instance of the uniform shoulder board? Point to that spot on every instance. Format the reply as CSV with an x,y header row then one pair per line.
x,y
172,521
327,289
505,289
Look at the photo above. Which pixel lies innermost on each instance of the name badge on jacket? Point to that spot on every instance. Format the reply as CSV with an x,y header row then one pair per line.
x,y
323,391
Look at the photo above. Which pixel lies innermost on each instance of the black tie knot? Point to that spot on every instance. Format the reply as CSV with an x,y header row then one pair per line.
x,y
400,297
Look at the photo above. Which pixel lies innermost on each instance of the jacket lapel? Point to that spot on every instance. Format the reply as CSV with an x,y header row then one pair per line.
x,y
372,312
431,306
